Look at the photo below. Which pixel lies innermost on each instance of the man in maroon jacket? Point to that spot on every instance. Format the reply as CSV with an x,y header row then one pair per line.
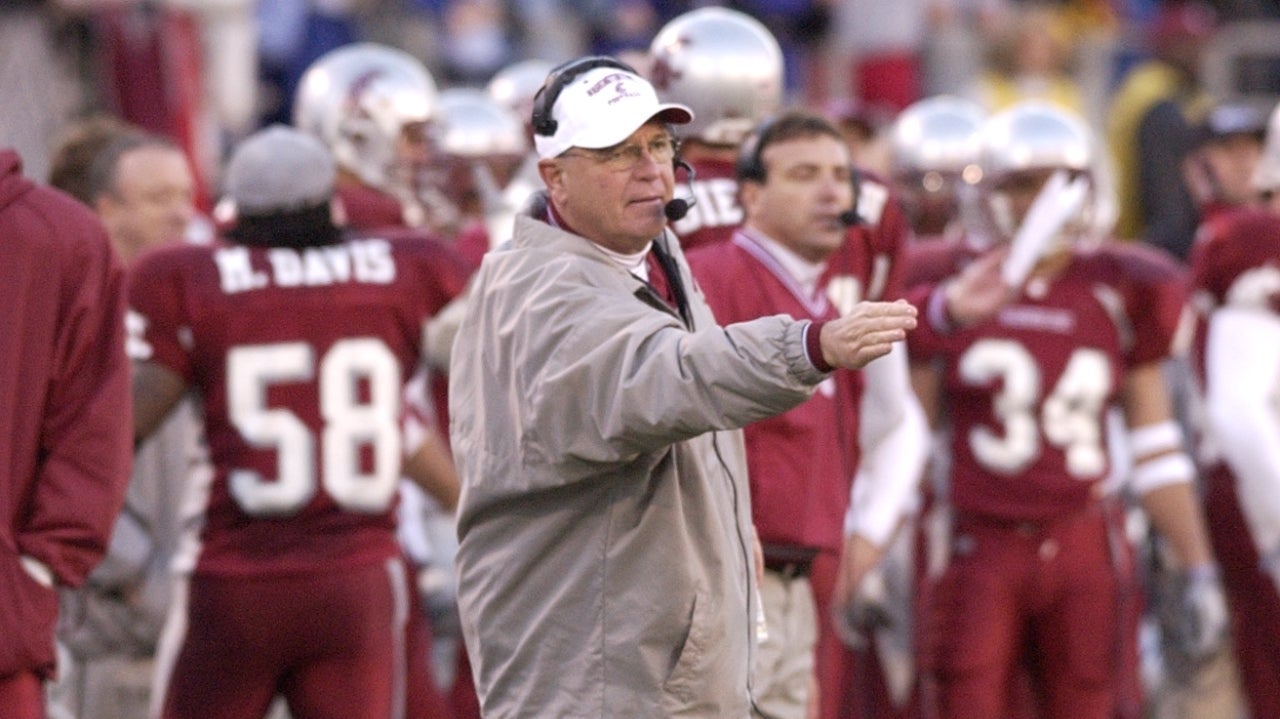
x,y
797,196
65,443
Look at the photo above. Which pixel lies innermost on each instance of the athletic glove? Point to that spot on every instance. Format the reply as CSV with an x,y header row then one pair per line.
x,y
865,612
1203,625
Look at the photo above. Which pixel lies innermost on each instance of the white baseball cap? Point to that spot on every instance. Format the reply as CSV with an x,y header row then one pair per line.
x,y
601,108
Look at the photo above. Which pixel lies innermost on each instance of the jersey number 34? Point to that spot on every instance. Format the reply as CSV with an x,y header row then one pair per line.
x,y
1071,414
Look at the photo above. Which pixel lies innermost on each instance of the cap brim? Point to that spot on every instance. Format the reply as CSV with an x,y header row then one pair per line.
x,y
608,136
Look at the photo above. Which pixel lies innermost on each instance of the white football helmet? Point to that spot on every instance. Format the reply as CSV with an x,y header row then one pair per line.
x,y
933,156
1034,136
472,124
722,63
359,100
937,135
515,86
483,144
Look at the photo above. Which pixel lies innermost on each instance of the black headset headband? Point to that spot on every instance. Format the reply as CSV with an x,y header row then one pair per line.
x,y
750,166
559,78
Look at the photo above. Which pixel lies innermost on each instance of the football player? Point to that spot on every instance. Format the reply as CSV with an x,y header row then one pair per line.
x,y
727,67
514,88
378,111
298,342
483,145
1235,272
373,106
1023,351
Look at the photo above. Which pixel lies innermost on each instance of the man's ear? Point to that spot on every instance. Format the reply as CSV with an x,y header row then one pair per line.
x,y
553,177
549,170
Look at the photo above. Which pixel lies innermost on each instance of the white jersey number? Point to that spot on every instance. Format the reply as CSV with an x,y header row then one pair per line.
x,y
1071,414
351,422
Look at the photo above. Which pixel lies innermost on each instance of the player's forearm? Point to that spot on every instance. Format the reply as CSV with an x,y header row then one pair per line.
x,y
1175,513
156,391
888,481
431,468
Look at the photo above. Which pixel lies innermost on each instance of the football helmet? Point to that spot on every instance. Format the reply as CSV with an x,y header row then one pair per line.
x,y
515,86
937,135
483,144
472,124
1027,138
724,65
361,100
933,155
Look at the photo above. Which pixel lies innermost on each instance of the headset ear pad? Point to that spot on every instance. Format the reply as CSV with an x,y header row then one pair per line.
x,y
544,101
750,166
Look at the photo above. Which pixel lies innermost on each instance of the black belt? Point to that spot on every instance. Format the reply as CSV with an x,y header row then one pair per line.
x,y
789,561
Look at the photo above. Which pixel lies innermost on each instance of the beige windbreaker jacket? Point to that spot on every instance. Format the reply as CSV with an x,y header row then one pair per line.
x,y
605,565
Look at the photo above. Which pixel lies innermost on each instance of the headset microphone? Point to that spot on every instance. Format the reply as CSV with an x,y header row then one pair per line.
x,y
678,207
850,217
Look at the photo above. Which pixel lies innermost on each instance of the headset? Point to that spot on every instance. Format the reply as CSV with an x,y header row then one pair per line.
x,y
545,124
750,166
678,207
557,80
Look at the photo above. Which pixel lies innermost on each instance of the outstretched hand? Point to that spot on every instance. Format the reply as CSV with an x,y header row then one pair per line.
x,y
867,332
979,291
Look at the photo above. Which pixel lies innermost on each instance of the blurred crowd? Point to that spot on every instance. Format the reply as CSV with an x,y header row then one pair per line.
x,y
207,73
1176,95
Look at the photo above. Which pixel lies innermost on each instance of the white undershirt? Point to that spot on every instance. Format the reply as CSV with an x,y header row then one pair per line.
x,y
633,263
805,273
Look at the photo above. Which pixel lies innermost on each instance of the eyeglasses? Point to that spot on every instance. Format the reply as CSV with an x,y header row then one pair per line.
x,y
625,157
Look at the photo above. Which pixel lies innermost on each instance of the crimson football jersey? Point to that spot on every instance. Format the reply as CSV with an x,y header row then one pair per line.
x,y
1028,390
797,462
367,208
715,213
300,357
1236,260
1236,263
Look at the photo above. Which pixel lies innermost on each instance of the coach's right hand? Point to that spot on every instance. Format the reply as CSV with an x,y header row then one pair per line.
x,y
866,333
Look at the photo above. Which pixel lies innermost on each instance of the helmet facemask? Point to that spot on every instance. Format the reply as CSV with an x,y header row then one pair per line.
x,y
1036,149
934,156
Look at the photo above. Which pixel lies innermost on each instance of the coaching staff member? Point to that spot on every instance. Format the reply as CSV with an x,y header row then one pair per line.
x,y
65,442
606,565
